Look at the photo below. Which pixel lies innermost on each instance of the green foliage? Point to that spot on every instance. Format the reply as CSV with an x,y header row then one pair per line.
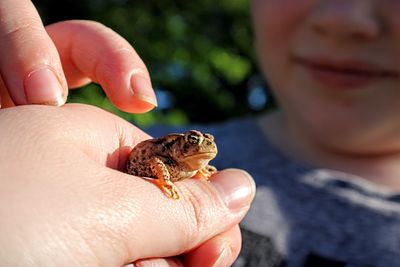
x,y
200,52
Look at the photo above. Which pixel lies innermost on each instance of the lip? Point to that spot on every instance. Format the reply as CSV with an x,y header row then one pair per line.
x,y
345,73
204,155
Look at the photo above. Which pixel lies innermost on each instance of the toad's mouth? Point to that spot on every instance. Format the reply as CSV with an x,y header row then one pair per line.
x,y
199,160
200,156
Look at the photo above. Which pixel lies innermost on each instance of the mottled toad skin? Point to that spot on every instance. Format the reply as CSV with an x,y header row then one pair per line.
x,y
172,158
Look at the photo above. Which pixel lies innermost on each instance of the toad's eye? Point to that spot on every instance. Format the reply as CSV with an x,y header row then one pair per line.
x,y
193,139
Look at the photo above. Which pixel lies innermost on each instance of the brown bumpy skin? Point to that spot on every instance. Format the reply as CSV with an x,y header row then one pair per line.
x,y
164,178
172,158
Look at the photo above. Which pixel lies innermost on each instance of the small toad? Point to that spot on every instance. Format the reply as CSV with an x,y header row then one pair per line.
x,y
172,158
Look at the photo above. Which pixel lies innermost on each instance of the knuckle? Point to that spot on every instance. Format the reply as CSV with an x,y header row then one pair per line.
x,y
24,27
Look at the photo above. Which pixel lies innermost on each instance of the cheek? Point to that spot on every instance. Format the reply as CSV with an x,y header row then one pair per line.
x,y
277,25
276,17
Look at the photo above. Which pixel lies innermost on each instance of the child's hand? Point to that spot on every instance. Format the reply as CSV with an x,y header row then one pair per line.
x,y
37,67
64,200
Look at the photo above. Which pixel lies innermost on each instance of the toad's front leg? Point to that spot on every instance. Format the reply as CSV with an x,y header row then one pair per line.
x,y
207,172
163,178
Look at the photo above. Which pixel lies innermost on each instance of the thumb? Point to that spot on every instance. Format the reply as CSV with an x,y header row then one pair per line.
x,y
155,226
30,65
207,209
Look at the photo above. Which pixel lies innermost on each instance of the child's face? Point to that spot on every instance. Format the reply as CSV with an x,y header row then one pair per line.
x,y
334,67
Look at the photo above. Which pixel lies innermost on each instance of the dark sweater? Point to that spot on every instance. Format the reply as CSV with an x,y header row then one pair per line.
x,y
304,216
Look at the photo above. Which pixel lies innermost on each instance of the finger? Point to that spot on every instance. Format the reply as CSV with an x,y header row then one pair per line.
x,y
147,224
29,65
221,250
91,50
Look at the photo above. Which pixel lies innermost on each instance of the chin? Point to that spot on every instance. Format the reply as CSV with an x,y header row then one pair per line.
x,y
357,140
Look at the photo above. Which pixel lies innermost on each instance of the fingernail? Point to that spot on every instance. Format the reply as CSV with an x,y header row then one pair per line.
x,y
224,258
236,188
142,89
42,87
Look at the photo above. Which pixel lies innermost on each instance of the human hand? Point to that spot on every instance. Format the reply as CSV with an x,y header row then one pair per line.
x,y
65,202
37,67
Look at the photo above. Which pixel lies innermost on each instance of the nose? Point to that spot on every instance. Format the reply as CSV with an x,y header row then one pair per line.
x,y
344,19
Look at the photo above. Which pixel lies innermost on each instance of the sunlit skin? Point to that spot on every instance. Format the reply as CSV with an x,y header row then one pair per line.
x,y
64,198
334,67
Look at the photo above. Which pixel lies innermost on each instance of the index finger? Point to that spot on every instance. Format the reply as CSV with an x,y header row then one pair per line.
x,y
30,65
91,50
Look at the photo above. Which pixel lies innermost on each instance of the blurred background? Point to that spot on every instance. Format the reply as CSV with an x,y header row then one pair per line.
x,y
199,54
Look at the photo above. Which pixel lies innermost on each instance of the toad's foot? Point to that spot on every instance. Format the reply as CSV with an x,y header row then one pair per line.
x,y
207,172
169,189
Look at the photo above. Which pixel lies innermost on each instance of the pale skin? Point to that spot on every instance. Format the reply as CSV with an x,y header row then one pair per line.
x,y
334,67
60,166
65,202
38,63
